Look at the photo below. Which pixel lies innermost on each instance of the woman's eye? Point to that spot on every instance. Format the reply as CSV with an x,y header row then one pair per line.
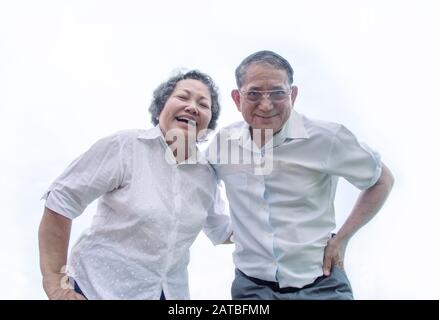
x,y
203,105
182,97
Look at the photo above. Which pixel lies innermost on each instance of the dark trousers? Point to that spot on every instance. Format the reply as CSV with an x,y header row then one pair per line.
x,y
336,286
78,289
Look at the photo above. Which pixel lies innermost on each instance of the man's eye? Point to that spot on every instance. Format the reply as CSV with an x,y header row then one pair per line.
x,y
278,93
253,94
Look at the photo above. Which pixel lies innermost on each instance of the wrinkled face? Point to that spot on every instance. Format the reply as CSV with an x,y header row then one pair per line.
x,y
269,112
188,107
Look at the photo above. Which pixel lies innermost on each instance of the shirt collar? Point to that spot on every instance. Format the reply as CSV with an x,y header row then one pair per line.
x,y
150,134
293,129
156,133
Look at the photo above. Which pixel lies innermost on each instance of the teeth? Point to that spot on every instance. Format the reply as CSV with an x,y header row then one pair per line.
x,y
189,121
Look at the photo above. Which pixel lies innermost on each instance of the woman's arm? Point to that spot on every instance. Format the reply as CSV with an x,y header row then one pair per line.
x,y
53,236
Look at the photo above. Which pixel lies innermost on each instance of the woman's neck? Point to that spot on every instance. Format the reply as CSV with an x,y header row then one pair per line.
x,y
181,151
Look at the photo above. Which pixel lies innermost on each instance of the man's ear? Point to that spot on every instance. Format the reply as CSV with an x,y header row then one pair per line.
x,y
236,98
293,95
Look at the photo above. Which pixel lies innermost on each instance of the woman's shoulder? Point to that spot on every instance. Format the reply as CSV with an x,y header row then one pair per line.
x,y
134,134
120,139
128,133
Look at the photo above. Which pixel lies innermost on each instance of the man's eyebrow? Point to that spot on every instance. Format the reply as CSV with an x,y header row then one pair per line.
x,y
278,88
255,88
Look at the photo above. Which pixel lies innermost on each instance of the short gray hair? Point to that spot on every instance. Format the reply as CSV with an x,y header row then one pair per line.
x,y
163,92
264,56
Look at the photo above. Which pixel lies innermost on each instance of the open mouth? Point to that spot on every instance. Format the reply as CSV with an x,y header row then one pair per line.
x,y
186,120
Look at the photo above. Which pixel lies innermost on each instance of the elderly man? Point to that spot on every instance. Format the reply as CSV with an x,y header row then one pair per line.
x,y
281,180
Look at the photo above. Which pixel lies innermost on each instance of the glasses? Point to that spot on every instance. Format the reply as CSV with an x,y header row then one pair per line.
x,y
272,95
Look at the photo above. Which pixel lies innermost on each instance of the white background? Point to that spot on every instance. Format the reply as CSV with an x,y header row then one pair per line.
x,y
72,72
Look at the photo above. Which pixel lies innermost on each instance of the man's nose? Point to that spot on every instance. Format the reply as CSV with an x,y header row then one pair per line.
x,y
265,104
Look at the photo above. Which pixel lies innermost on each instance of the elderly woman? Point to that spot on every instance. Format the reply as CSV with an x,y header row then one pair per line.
x,y
154,198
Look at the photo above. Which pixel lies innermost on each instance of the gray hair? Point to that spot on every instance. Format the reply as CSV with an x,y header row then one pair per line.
x,y
265,56
163,92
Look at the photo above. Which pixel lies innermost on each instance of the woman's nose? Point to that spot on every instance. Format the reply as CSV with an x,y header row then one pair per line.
x,y
192,108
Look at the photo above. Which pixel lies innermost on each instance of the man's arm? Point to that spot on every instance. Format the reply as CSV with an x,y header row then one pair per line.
x,y
53,236
369,202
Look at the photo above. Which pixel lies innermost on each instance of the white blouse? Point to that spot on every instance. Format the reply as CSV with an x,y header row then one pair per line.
x,y
149,213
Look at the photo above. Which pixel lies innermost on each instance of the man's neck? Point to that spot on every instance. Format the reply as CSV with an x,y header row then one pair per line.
x,y
261,136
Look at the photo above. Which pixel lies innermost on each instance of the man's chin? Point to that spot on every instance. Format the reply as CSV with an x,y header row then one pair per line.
x,y
263,127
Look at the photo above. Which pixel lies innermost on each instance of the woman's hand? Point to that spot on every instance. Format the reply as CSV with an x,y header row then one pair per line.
x,y
54,234
57,287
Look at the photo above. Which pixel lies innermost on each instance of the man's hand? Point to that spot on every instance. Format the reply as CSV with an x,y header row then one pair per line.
x,y
334,255
57,287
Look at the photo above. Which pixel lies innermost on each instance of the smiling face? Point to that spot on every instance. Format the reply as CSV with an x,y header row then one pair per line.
x,y
188,107
265,114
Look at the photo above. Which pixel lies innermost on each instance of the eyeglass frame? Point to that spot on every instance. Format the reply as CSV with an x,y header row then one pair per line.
x,y
265,94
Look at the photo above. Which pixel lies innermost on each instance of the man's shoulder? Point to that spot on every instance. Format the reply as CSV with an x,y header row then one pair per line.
x,y
318,127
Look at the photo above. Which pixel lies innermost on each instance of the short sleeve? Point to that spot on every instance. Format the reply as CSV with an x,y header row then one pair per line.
x,y
97,171
217,226
352,160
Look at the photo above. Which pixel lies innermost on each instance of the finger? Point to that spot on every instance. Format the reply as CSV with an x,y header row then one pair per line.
x,y
327,263
79,297
73,295
68,294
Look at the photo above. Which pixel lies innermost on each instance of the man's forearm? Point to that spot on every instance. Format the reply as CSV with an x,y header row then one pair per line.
x,y
368,204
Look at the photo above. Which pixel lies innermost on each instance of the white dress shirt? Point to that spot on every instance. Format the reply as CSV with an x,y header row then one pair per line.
x,y
149,213
283,219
